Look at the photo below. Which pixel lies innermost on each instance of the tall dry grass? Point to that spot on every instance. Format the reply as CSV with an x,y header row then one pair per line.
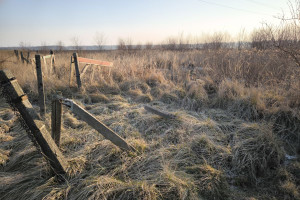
x,y
238,119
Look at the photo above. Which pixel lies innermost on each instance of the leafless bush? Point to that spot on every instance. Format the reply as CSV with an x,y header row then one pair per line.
x,y
125,44
216,41
60,46
24,45
286,35
100,40
76,43
242,39
260,39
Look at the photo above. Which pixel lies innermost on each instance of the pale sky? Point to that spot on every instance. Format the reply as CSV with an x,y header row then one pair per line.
x,y
37,22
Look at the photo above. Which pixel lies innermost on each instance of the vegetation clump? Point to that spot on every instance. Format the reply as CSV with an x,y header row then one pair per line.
x,y
258,155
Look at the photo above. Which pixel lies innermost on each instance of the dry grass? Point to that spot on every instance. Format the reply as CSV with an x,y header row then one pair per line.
x,y
258,154
237,118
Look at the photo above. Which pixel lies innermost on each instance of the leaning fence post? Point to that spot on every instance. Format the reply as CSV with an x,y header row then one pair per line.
x,y
56,121
160,112
40,85
36,128
99,126
75,55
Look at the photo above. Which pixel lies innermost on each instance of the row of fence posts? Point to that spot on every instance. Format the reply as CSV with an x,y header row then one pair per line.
x,y
49,142
20,56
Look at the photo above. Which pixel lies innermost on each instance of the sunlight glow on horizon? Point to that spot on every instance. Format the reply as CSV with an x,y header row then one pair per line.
x,y
47,22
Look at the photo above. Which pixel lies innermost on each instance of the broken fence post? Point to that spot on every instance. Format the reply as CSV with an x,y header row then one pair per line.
x,y
39,75
99,126
160,113
56,121
16,98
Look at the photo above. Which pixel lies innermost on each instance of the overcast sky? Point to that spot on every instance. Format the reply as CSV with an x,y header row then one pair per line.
x,y
37,22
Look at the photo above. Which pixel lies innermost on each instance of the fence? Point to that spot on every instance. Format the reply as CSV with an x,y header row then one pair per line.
x,y
28,60
49,143
17,99
88,62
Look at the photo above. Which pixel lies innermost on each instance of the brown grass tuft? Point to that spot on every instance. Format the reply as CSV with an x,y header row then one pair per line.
x,y
257,155
211,183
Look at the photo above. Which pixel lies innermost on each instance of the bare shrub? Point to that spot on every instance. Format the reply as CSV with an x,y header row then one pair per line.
x,y
60,46
216,41
285,36
76,43
260,39
100,40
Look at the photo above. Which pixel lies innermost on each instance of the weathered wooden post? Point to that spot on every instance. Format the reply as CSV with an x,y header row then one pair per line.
x,y
159,112
28,55
75,56
56,121
52,61
71,71
99,126
17,54
22,57
17,99
39,74
52,57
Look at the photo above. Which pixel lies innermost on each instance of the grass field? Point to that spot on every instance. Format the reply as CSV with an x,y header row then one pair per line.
x,y
236,134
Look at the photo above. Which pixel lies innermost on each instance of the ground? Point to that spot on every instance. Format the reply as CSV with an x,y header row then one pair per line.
x,y
217,147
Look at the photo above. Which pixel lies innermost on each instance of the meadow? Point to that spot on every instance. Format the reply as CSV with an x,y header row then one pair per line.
x,y
236,135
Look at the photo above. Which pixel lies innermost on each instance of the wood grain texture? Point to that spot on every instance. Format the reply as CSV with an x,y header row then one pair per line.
x,y
56,121
95,62
101,128
75,56
39,74
14,94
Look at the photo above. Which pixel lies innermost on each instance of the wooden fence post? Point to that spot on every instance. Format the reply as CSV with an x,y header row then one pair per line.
x,y
159,112
28,55
75,56
17,54
99,126
52,57
56,121
16,98
22,57
52,60
71,71
39,74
